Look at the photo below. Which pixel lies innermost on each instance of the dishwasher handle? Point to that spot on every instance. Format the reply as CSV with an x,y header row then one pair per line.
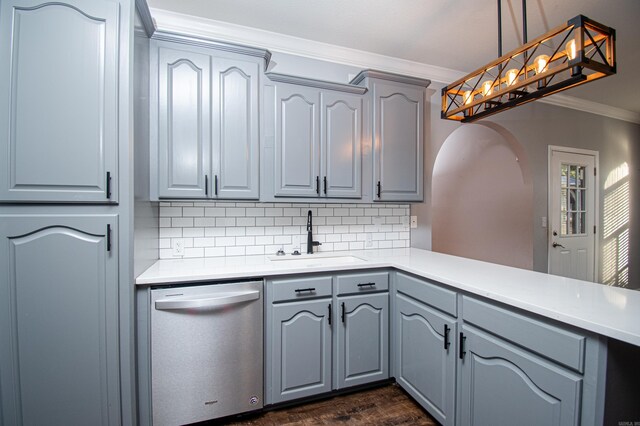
x,y
207,300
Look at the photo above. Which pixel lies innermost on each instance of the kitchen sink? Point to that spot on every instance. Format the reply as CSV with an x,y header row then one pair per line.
x,y
315,259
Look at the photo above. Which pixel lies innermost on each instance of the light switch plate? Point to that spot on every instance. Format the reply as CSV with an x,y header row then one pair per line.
x,y
414,222
377,220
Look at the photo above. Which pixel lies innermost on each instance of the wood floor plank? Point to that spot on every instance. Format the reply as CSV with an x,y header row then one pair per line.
x,y
386,406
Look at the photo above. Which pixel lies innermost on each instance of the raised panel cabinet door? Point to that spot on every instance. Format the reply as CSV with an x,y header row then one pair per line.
x,y
59,362
341,140
235,152
363,339
426,357
297,153
301,350
398,142
58,100
501,383
184,120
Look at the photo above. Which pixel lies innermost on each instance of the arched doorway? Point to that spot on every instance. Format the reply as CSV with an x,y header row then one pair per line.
x,y
482,197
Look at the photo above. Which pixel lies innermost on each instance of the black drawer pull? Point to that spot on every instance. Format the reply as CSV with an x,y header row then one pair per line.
x,y
302,290
462,340
379,189
343,314
329,317
366,285
446,337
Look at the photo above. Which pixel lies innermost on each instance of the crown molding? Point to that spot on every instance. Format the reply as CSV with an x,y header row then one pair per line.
x,y
320,84
232,33
145,17
398,78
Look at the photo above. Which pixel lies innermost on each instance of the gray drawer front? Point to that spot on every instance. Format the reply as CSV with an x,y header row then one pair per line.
x,y
363,283
427,293
301,288
557,344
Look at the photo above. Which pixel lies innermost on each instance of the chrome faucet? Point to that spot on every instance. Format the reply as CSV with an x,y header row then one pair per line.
x,y
310,242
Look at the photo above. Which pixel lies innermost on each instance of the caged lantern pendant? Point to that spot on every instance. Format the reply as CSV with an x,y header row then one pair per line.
x,y
569,55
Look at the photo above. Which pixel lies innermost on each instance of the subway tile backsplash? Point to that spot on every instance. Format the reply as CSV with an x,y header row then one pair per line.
x,y
210,229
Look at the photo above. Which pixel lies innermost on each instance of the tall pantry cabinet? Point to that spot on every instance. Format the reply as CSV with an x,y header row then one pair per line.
x,y
66,212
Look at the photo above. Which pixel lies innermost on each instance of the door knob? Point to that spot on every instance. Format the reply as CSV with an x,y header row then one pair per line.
x,y
557,245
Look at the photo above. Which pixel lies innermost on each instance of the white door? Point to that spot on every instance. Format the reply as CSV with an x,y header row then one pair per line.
x,y
572,213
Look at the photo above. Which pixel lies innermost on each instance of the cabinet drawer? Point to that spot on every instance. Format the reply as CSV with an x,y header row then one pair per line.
x,y
301,288
427,293
562,346
362,283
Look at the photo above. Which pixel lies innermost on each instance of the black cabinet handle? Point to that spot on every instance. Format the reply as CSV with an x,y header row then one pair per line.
x,y
446,337
108,189
342,314
108,237
379,189
329,317
215,184
318,185
463,338
325,185
301,290
206,185
366,285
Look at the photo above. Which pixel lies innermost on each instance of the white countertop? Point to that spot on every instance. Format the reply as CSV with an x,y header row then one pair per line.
x,y
609,311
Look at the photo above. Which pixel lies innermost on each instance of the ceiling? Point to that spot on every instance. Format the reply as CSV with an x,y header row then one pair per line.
x,y
455,34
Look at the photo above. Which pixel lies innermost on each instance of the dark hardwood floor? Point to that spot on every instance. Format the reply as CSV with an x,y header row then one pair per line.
x,y
386,405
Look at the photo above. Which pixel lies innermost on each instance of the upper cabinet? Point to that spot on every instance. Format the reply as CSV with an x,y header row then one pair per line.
x,y
59,101
318,138
205,122
397,133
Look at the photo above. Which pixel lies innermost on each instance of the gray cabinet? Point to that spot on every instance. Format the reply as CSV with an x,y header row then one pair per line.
x,y
397,133
59,361
184,123
363,339
317,143
425,353
204,111
321,336
500,383
301,349
59,100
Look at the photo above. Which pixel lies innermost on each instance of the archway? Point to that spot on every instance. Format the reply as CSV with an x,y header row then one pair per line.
x,y
482,196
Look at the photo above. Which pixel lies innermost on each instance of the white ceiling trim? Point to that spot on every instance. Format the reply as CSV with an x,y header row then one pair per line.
x,y
276,42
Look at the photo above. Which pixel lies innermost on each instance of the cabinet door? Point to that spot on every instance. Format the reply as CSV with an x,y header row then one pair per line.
x,y
301,350
398,140
363,339
59,360
297,160
341,133
501,383
426,369
235,129
183,120
58,100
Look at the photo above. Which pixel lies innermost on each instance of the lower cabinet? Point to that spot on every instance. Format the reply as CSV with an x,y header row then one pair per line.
x,y
59,362
301,338
318,339
425,350
503,385
363,347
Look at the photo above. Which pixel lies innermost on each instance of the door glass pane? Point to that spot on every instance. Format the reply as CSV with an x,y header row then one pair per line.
x,y
573,194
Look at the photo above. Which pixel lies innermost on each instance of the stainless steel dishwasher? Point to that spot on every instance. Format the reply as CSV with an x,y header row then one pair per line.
x,y
206,351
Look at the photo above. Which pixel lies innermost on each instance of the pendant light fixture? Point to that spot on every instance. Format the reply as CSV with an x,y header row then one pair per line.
x,y
572,54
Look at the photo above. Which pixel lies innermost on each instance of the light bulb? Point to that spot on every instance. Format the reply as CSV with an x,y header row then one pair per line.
x,y
512,76
467,97
541,63
487,88
571,49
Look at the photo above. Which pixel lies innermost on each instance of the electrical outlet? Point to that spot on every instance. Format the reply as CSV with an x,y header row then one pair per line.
x,y
368,240
296,242
377,220
414,222
543,221
178,247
